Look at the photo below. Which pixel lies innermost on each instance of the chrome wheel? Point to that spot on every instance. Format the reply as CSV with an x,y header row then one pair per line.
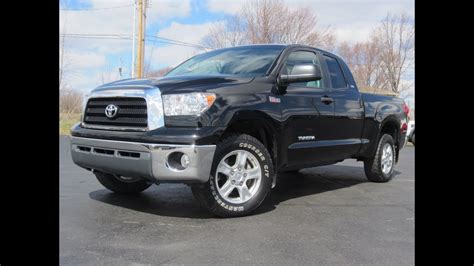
x,y
387,158
238,176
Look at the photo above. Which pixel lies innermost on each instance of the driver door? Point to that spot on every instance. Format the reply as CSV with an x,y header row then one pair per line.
x,y
307,113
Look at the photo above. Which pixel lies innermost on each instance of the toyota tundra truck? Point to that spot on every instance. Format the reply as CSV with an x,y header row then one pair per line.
x,y
228,121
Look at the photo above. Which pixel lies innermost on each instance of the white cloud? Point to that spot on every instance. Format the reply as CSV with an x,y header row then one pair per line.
x,y
85,81
164,9
351,19
82,82
191,33
108,21
83,60
357,32
171,55
77,64
225,6
343,12
114,21
87,61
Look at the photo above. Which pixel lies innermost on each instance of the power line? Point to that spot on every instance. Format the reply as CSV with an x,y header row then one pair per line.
x,y
124,37
93,36
93,9
97,38
166,39
175,43
152,49
121,36
178,42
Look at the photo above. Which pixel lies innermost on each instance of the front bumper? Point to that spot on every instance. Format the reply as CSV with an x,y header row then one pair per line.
x,y
146,160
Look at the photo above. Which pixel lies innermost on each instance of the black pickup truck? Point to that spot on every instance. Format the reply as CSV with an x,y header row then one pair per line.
x,y
227,122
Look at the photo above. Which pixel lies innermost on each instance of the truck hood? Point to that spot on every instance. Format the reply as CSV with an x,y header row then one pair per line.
x,y
180,84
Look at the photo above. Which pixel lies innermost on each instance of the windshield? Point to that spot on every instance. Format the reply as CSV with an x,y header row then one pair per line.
x,y
240,61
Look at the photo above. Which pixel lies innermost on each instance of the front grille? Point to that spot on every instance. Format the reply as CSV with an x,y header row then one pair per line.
x,y
131,113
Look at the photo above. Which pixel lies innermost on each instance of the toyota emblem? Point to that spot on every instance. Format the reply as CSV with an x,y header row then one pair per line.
x,y
111,111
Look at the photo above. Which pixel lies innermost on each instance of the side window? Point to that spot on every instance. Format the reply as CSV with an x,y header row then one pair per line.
x,y
335,72
302,57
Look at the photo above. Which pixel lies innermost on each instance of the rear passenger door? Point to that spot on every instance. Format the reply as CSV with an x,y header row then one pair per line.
x,y
348,108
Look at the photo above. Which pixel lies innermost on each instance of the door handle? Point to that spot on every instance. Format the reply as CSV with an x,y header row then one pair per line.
x,y
327,100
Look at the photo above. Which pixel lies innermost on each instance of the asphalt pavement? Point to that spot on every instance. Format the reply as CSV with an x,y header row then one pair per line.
x,y
328,215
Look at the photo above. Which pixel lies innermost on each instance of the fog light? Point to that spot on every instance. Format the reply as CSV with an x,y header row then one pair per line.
x,y
185,160
178,161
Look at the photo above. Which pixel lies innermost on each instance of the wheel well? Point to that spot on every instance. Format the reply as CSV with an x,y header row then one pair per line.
x,y
256,128
391,127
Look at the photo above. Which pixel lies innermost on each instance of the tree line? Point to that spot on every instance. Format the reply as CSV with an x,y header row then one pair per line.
x,y
378,64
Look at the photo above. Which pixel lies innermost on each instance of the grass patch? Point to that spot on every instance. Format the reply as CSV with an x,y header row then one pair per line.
x,y
66,121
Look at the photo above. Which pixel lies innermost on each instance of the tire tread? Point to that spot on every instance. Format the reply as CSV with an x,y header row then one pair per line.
x,y
372,166
202,192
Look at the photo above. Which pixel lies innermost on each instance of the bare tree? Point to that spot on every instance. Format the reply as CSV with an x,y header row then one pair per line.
x,y
70,101
66,66
379,63
63,63
301,26
270,21
230,32
364,60
396,34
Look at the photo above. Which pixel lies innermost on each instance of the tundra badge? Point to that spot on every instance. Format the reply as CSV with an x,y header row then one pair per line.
x,y
302,138
274,99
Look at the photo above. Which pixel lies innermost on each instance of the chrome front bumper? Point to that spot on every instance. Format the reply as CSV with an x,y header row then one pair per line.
x,y
146,160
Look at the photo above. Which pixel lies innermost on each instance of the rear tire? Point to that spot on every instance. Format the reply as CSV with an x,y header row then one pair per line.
x,y
122,185
240,178
380,167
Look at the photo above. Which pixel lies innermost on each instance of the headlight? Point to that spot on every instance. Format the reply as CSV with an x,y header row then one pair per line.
x,y
187,104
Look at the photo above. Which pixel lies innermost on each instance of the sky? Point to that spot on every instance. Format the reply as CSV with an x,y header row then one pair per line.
x,y
91,62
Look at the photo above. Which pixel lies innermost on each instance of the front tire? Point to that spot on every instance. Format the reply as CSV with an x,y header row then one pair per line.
x,y
122,185
380,167
240,179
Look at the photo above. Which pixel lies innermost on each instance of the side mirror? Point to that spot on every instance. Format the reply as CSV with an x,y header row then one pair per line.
x,y
301,73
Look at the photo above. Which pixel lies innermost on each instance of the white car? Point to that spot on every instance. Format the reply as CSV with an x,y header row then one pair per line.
x,y
411,126
411,132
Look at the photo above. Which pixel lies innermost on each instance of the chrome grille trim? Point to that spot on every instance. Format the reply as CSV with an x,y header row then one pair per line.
x,y
151,94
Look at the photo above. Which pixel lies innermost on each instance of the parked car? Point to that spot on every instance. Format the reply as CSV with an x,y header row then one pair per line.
x,y
411,126
226,122
411,136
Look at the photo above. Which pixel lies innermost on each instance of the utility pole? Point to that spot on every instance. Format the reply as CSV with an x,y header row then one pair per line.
x,y
134,38
144,6
141,38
